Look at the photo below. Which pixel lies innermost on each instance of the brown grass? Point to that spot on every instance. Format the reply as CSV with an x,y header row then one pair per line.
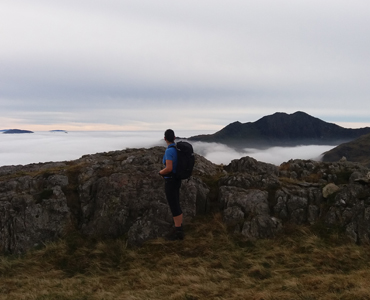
x,y
209,264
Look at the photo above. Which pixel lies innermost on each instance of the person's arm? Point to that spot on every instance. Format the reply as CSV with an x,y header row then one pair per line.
x,y
167,169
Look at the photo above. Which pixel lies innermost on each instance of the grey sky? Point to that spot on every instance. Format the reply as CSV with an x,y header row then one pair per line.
x,y
117,64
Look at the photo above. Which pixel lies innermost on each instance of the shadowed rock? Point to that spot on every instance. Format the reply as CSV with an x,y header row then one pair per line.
x,y
105,195
119,193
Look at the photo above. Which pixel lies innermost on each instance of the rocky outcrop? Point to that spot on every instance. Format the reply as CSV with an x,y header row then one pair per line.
x,y
258,199
105,195
120,193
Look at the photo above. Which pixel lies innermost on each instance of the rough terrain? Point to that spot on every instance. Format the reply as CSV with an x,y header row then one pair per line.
x,y
115,194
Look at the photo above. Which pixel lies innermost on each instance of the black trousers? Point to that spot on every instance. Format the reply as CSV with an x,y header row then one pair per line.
x,y
172,189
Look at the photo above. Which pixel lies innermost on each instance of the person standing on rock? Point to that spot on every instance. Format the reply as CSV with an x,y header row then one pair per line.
x,y
172,185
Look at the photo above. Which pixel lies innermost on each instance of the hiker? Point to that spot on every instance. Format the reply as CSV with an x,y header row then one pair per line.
x,y
172,185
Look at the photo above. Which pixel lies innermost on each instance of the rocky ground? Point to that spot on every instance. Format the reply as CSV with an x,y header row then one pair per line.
x,y
120,193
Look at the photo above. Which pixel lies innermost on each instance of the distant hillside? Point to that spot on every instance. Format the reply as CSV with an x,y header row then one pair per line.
x,y
281,129
59,130
355,151
12,131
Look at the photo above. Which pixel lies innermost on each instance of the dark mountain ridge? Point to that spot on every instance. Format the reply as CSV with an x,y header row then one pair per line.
x,y
282,129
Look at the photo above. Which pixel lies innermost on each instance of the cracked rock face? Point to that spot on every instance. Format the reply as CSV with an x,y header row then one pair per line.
x,y
248,211
105,195
301,192
32,211
244,198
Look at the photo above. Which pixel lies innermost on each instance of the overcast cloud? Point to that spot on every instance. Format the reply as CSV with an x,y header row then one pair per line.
x,y
143,64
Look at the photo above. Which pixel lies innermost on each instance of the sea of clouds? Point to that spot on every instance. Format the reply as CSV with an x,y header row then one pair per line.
x,y
20,149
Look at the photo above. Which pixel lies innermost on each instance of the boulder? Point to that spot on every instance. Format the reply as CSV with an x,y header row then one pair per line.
x,y
329,189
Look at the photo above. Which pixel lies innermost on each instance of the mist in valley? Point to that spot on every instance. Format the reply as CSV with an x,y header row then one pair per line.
x,y
20,149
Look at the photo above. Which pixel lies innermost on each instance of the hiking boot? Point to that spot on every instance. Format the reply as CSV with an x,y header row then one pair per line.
x,y
175,234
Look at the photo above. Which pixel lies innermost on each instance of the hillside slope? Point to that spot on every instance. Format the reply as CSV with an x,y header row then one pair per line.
x,y
355,151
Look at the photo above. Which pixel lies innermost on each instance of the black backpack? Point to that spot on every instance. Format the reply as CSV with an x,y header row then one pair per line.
x,y
185,160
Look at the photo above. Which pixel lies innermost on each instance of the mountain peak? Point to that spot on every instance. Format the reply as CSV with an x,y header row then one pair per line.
x,y
282,129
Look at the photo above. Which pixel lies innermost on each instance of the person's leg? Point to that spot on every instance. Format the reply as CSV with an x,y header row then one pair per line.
x,y
177,213
172,188
178,220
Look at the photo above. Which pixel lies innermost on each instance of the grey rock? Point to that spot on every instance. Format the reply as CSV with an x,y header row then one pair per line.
x,y
329,189
250,165
313,214
250,206
299,197
261,226
233,216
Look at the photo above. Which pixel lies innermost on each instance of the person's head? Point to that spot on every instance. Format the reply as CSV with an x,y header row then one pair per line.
x,y
169,135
